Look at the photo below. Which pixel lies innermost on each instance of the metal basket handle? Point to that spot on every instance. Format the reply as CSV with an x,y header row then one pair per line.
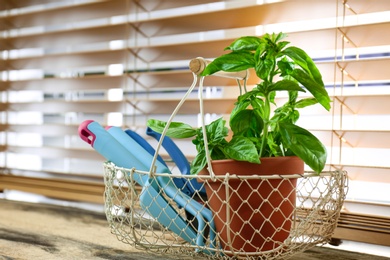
x,y
197,66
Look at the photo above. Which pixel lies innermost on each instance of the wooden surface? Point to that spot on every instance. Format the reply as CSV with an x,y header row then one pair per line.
x,y
351,226
37,231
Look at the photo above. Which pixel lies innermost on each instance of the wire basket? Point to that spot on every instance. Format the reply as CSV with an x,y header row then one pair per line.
x,y
148,210
319,199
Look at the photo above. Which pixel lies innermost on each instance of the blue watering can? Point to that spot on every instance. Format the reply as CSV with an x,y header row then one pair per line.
x,y
118,147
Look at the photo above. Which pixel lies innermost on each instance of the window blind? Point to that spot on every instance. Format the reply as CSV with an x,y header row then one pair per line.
x,y
121,62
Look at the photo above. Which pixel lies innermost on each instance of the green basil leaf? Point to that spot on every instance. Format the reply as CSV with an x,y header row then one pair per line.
x,y
304,145
317,90
278,37
285,113
257,104
285,66
257,91
272,96
302,59
282,44
306,102
258,107
217,131
242,149
231,62
239,106
200,160
175,130
198,163
272,146
246,123
265,67
247,43
292,97
285,84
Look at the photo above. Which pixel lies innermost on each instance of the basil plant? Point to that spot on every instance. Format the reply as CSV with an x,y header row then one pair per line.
x,y
259,127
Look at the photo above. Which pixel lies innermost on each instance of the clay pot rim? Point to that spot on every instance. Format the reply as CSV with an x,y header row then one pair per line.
x,y
204,175
261,158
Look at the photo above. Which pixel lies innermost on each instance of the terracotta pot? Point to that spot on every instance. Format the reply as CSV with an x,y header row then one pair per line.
x,y
260,210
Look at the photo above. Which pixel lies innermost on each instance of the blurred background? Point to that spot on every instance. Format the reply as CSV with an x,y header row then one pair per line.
x,y
121,62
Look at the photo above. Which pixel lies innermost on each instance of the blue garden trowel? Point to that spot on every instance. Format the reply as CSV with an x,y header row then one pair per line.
x,y
150,199
142,150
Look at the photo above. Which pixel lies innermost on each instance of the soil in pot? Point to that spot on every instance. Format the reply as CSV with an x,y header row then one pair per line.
x,y
253,215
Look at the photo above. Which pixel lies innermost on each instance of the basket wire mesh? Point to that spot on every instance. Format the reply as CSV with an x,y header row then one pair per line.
x,y
148,217
314,218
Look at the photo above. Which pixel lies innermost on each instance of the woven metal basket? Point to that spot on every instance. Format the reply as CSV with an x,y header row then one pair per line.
x,y
318,204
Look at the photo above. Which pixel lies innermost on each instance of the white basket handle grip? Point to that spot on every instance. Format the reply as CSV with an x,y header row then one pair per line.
x,y
197,66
